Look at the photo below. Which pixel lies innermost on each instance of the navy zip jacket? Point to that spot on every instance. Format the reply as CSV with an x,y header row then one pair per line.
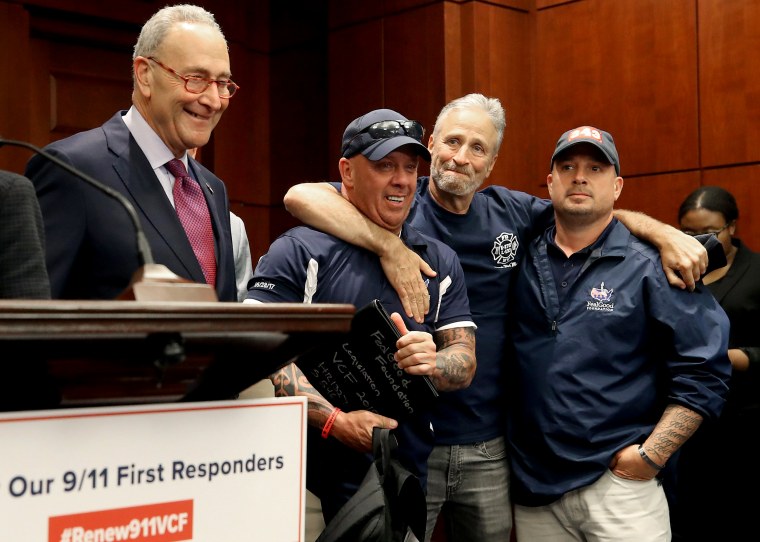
x,y
594,375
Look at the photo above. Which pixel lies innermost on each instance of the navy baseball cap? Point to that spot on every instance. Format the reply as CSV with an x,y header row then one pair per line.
x,y
588,134
380,132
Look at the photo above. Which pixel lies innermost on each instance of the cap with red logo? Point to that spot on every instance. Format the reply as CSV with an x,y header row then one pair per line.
x,y
588,134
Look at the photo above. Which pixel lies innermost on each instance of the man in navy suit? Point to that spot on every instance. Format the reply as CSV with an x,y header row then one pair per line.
x,y
182,85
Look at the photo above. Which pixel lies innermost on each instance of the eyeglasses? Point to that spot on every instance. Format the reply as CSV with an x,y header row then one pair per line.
x,y
709,232
389,128
199,85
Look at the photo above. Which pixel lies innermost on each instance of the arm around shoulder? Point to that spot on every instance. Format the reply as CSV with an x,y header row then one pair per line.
x,y
320,206
684,259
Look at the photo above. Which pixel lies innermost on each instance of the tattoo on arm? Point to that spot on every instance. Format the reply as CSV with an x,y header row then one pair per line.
x,y
290,382
455,361
677,425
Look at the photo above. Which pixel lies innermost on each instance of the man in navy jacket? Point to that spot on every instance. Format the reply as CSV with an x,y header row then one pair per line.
x,y
614,369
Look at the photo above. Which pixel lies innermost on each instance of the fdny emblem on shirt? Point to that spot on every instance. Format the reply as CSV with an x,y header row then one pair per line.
x,y
505,249
602,299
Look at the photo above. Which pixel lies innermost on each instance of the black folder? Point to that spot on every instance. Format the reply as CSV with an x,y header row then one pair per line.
x,y
359,372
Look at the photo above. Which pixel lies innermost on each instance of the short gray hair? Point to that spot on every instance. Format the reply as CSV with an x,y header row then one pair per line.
x,y
491,106
155,29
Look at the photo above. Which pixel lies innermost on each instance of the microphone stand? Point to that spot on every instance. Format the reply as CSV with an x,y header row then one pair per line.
x,y
151,281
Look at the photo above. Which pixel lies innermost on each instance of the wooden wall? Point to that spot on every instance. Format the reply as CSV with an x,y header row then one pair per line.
x,y
675,81
414,56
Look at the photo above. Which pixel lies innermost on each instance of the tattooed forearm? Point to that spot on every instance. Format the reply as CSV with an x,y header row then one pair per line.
x,y
290,382
455,360
284,381
676,426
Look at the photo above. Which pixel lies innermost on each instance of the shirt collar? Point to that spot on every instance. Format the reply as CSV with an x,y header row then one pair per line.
x,y
153,147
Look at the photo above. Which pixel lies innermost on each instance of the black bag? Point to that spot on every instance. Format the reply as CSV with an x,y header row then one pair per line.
x,y
389,504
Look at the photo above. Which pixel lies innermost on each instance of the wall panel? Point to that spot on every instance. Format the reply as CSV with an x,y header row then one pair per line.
x,y
86,86
243,131
413,67
628,67
658,195
480,47
413,63
502,48
18,83
729,81
355,81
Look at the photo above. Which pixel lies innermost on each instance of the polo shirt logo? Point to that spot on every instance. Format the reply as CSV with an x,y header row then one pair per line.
x,y
602,299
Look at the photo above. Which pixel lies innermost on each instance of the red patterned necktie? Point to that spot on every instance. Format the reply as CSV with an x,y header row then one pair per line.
x,y
193,213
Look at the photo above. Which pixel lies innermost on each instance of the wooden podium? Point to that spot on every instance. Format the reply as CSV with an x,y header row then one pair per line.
x,y
126,352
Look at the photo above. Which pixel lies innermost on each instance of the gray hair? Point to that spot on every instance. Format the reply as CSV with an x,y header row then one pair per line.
x,y
155,29
491,106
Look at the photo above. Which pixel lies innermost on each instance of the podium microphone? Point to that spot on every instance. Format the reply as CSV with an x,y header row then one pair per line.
x,y
151,281
144,254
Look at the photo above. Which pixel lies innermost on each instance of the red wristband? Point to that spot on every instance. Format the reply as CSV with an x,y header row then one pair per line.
x,y
329,423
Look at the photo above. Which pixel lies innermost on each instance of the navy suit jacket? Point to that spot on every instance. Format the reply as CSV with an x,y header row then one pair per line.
x,y
91,246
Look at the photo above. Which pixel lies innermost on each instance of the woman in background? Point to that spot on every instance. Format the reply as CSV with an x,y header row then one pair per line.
x,y
718,478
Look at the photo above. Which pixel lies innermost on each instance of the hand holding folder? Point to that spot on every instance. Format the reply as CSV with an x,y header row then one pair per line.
x,y
360,372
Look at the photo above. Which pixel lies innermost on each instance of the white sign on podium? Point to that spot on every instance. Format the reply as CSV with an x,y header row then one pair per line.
x,y
210,472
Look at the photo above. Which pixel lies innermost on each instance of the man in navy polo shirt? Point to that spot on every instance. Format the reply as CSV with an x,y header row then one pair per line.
x,y
378,167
